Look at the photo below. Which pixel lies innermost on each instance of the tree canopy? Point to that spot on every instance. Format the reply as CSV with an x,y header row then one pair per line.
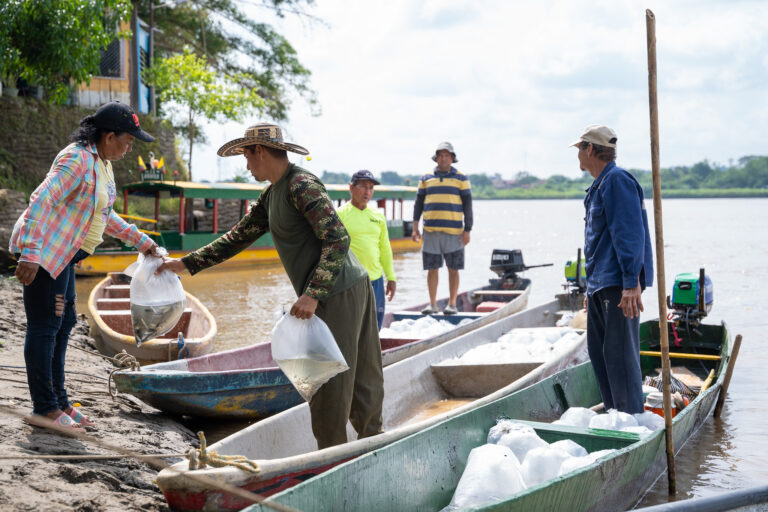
x,y
186,80
248,51
55,43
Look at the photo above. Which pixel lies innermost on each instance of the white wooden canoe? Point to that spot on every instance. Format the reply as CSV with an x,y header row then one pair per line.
x,y
286,451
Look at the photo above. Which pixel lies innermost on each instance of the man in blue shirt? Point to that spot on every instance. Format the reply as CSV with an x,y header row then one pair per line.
x,y
619,266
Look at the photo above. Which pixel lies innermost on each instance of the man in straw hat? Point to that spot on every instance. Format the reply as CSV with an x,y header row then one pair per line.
x,y
446,199
330,282
619,266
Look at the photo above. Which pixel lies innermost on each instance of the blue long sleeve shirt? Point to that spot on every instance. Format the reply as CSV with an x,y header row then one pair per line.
x,y
617,241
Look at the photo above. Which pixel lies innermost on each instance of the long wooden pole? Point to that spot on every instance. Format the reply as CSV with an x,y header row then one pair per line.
x,y
728,374
650,23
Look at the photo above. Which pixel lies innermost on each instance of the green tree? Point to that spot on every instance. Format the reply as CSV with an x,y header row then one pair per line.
x,y
391,178
479,181
56,43
335,177
248,51
200,91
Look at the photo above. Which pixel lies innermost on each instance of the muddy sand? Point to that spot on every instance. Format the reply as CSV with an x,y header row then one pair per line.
x,y
43,485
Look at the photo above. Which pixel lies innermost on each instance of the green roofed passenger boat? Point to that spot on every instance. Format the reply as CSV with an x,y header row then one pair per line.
x,y
201,211
422,471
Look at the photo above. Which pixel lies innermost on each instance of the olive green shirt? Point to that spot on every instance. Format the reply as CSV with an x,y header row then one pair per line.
x,y
311,241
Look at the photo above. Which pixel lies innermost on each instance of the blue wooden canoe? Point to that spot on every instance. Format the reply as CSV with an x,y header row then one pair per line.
x,y
239,383
245,383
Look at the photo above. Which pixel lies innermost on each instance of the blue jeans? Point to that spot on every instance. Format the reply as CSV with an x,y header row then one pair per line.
x,y
50,307
378,294
613,341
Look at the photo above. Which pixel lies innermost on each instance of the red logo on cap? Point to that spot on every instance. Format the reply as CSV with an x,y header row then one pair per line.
x,y
135,119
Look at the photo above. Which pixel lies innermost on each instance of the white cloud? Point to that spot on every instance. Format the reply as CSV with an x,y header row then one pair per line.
x,y
511,84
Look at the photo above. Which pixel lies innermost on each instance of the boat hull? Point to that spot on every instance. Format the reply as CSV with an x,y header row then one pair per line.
x,y
101,263
236,391
201,331
433,460
286,451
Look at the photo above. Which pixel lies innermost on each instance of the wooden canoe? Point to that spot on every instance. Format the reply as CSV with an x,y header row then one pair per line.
x,y
245,383
505,302
109,309
432,460
285,449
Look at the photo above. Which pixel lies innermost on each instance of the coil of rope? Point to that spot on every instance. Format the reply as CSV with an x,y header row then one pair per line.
x,y
199,458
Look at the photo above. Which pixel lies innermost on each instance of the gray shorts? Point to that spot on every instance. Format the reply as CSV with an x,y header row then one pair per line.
x,y
438,245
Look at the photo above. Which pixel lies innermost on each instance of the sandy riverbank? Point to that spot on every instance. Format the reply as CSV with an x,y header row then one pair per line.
x,y
40,485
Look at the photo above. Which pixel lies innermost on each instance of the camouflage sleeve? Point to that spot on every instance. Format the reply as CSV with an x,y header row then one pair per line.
x,y
309,197
253,224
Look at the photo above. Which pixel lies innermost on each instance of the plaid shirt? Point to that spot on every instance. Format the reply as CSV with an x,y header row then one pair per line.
x,y
54,225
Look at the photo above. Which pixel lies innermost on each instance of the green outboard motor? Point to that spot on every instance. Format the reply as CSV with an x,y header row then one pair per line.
x,y
691,300
575,280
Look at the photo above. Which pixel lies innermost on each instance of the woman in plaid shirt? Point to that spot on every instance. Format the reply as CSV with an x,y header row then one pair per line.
x,y
65,220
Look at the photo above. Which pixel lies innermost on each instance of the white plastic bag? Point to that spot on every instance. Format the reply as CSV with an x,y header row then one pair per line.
x,y
492,473
306,352
157,301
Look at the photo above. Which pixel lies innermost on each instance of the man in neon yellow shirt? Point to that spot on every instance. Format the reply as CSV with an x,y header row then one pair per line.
x,y
369,237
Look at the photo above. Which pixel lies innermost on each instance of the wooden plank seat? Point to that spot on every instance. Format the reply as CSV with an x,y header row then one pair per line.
x,y
117,291
488,306
120,321
498,292
113,304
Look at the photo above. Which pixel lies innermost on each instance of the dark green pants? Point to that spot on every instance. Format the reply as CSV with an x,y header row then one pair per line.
x,y
356,394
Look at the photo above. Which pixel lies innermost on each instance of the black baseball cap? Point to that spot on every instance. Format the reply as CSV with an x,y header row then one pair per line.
x,y
119,117
363,175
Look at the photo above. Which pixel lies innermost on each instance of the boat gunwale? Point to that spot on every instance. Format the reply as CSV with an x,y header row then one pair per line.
x,y
169,480
684,417
110,337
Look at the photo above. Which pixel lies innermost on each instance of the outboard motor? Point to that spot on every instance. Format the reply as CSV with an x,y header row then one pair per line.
x,y
506,264
691,299
575,280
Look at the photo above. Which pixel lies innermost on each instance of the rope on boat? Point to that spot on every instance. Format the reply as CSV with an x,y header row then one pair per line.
x,y
158,464
201,457
124,361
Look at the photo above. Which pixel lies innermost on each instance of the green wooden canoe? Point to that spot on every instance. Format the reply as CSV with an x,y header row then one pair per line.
x,y
421,471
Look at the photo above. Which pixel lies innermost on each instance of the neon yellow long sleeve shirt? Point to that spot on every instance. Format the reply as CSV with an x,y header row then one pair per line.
x,y
369,239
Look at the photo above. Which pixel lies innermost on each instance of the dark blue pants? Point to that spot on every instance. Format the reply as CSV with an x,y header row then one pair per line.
x,y
50,307
378,294
613,341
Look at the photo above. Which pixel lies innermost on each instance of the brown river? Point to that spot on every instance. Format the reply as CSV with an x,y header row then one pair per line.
x,y
728,237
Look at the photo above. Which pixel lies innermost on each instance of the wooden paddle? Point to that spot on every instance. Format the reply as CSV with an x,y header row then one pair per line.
x,y
650,23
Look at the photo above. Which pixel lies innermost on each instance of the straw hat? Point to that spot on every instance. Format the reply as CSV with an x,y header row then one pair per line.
x,y
266,134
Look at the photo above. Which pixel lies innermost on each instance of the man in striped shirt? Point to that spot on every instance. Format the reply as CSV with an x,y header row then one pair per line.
x,y
445,198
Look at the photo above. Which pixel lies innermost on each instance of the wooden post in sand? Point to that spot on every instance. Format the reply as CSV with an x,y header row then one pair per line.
x,y
650,23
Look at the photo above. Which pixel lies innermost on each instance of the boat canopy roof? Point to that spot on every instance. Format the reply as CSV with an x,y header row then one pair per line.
x,y
192,189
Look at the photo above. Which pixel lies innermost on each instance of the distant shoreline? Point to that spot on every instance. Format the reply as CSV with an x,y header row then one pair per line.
x,y
666,194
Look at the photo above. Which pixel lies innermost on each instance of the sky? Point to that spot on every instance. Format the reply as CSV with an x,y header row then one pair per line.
x,y
512,84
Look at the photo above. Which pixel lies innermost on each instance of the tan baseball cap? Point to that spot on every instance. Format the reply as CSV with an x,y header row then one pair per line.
x,y
598,134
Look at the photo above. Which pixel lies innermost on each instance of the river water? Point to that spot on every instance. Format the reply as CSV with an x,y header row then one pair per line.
x,y
727,237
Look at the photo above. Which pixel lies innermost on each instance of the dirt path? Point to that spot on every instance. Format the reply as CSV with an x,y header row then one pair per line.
x,y
120,484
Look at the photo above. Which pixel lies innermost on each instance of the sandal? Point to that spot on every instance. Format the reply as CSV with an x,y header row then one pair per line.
x,y
61,421
80,418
